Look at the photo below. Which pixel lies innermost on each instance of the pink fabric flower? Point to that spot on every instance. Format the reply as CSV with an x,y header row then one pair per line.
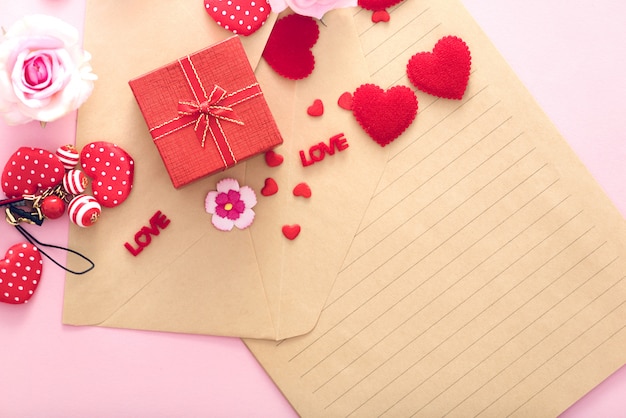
x,y
231,205
44,73
312,8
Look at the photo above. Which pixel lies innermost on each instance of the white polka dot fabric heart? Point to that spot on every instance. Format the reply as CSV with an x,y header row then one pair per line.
x,y
243,17
30,170
20,272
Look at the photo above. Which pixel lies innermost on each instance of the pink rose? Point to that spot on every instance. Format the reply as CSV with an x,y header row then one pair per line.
x,y
44,73
312,8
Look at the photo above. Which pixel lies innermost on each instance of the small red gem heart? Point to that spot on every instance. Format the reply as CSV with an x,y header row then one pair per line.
x,y
288,48
303,190
384,115
111,169
445,71
345,101
240,17
270,187
291,231
316,109
273,159
30,170
20,272
380,16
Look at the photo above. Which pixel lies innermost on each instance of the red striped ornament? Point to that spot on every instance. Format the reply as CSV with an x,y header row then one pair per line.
x,y
75,182
68,155
84,210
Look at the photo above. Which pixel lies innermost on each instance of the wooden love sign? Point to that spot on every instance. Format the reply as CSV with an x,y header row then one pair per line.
x,y
319,151
143,237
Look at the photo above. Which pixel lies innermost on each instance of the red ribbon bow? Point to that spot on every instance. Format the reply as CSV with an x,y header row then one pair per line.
x,y
207,111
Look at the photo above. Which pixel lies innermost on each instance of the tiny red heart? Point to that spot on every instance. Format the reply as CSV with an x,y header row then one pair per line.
x,y
380,16
302,189
112,170
384,115
30,170
273,159
238,17
445,71
291,231
288,48
316,109
20,272
270,187
345,101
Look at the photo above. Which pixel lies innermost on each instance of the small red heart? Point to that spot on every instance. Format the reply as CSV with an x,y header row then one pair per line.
x,y
445,71
111,169
20,272
291,231
288,48
345,101
273,159
270,187
302,189
384,115
375,5
380,16
238,17
316,109
30,170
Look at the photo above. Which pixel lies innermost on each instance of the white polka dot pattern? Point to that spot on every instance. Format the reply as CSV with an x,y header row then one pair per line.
x,y
20,272
30,170
111,169
240,17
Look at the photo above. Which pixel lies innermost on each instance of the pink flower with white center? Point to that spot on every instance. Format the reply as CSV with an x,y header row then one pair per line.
x,y
231,205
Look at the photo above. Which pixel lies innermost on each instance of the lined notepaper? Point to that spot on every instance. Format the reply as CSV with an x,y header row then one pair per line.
x,y
484,280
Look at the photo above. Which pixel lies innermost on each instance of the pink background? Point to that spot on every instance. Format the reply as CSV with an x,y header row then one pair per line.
x,y
570,57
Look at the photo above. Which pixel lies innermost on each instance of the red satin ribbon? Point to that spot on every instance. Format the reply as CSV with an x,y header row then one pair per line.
x,y
206,112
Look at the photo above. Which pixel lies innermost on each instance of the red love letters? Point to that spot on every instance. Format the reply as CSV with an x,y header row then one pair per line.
x,y
143,237
318,152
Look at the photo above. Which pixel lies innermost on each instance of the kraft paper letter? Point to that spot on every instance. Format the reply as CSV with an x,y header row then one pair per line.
x,y
193,278
488,275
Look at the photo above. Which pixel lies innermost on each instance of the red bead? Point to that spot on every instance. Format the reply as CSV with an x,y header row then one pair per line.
x,y
52,207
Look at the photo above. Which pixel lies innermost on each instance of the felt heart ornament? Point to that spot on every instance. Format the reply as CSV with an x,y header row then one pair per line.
x,y
445,71
239,17
288,48
270,188
377,4
380,16
20,272
316,109
273,159
111,169
384,115
291,231
302,190
30,170
345,101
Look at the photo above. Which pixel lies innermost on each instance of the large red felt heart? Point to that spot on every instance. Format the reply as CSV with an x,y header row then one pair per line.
x,y
112,170
384,115
240,17
288,49
377,4
30,170
445,71
20,272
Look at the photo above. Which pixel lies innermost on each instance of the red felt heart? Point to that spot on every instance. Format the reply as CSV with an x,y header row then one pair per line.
x,y
240,17
288,49
316,109
20,272
345,101
384,115
303,190
273,159
111,169
291,231
30,170
270,187
377,4
380,16
445,71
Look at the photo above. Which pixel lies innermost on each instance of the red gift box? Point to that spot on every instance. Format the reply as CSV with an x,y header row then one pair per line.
x,y
206,112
